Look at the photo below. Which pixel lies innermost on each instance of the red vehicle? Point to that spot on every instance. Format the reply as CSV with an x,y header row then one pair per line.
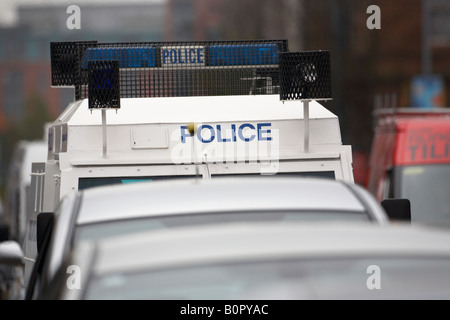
x,y
410,158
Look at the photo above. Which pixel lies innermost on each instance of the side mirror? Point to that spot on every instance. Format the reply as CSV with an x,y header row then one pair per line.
x,y
11,254
44,225
397,209
4,232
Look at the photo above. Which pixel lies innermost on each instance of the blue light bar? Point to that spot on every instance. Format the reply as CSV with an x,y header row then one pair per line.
x,y
128,57
173,68
253,54
215,55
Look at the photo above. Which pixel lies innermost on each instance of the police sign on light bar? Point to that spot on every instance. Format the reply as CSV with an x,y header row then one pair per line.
x,y
183,55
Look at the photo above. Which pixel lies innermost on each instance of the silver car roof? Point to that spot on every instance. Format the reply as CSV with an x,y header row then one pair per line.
x,y
266,241
215,195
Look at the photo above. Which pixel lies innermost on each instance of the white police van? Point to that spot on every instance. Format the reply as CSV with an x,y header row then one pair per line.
x,y
185,110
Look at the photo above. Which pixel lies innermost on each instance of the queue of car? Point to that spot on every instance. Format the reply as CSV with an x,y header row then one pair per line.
x,y
263,261
108,211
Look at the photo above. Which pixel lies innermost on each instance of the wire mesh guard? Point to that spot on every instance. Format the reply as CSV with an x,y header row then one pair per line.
x,y
104,85
65,62
305,75
171,69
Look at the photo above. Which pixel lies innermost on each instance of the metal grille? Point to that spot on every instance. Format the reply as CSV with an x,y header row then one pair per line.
x,y
305,75
65,62
103,78
173,69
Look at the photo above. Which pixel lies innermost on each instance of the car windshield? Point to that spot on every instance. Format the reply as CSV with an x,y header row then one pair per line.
x,y
338,278
427,187
97,231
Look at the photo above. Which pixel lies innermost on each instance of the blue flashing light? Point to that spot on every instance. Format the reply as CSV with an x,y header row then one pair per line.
x,y
103,79
128,57
103,85
233,55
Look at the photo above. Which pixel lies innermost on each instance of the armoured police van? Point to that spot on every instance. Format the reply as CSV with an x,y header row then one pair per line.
x,y
187,110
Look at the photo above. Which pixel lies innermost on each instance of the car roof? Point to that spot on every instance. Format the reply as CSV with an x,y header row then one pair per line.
x,y
265,241
215,195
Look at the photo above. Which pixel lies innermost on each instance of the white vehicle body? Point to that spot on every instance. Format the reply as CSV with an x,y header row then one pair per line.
x,y
146,132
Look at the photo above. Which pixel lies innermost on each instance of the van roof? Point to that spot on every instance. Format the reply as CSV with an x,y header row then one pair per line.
x,y
422,140
195,109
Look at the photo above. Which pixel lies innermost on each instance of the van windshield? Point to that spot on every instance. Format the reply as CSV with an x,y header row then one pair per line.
x,y
85,183
427,187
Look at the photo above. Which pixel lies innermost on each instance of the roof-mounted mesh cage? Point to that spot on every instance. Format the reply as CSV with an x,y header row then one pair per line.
x,y
173,69
65,62
305,75
103,85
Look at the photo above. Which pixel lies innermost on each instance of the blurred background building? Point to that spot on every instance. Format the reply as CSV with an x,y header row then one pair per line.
x,y
414,39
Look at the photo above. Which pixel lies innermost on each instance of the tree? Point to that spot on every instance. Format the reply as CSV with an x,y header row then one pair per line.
x,y
31,127
36,116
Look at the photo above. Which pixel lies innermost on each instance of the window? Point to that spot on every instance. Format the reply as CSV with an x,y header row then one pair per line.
x,y
85,183
318,174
